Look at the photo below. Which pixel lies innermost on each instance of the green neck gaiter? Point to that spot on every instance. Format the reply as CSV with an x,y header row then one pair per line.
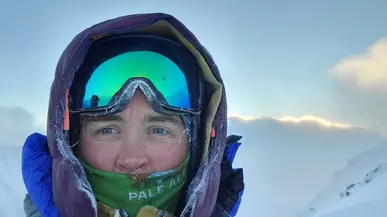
x,y
161,190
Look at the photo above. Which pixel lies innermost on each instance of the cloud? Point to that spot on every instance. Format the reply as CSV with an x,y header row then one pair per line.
x,y
16,124
366,75
367,71
304,120
288,161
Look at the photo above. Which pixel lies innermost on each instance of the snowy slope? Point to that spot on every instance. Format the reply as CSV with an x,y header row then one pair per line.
x,y
287,165
360,190
12,189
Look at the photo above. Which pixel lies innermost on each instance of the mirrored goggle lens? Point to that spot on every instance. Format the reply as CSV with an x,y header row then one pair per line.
x,y
110,76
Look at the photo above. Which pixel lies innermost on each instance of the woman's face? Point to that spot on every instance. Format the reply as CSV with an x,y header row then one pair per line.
x,y
134,141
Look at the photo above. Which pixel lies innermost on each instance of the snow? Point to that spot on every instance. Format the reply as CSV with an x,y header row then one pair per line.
x,y
12,190
359,190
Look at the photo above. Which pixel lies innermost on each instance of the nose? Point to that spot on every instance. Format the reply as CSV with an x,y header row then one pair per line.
x,y
132,160
133,157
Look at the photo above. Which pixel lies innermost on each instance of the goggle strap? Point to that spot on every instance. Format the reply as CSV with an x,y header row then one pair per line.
x,y
66,115
213,133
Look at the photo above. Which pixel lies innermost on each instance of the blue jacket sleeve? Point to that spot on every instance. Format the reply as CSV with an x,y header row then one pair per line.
x,y
37,174
231,186
231,152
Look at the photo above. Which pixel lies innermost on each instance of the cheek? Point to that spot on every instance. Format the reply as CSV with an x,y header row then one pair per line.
x,y
98,154
167,155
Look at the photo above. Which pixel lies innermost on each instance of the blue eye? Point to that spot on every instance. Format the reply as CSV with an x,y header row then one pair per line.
x,y
106,130
159,131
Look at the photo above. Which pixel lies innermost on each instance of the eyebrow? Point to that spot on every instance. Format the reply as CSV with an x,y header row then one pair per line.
x,y
105,118
152,118
157,118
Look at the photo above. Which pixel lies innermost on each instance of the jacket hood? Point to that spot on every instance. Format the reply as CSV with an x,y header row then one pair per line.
x,y
72,192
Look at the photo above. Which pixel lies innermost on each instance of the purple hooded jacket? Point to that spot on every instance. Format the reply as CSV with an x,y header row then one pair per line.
x,y
72,192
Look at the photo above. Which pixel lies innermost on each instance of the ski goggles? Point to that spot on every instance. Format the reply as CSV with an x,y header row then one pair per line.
x,y
171,81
